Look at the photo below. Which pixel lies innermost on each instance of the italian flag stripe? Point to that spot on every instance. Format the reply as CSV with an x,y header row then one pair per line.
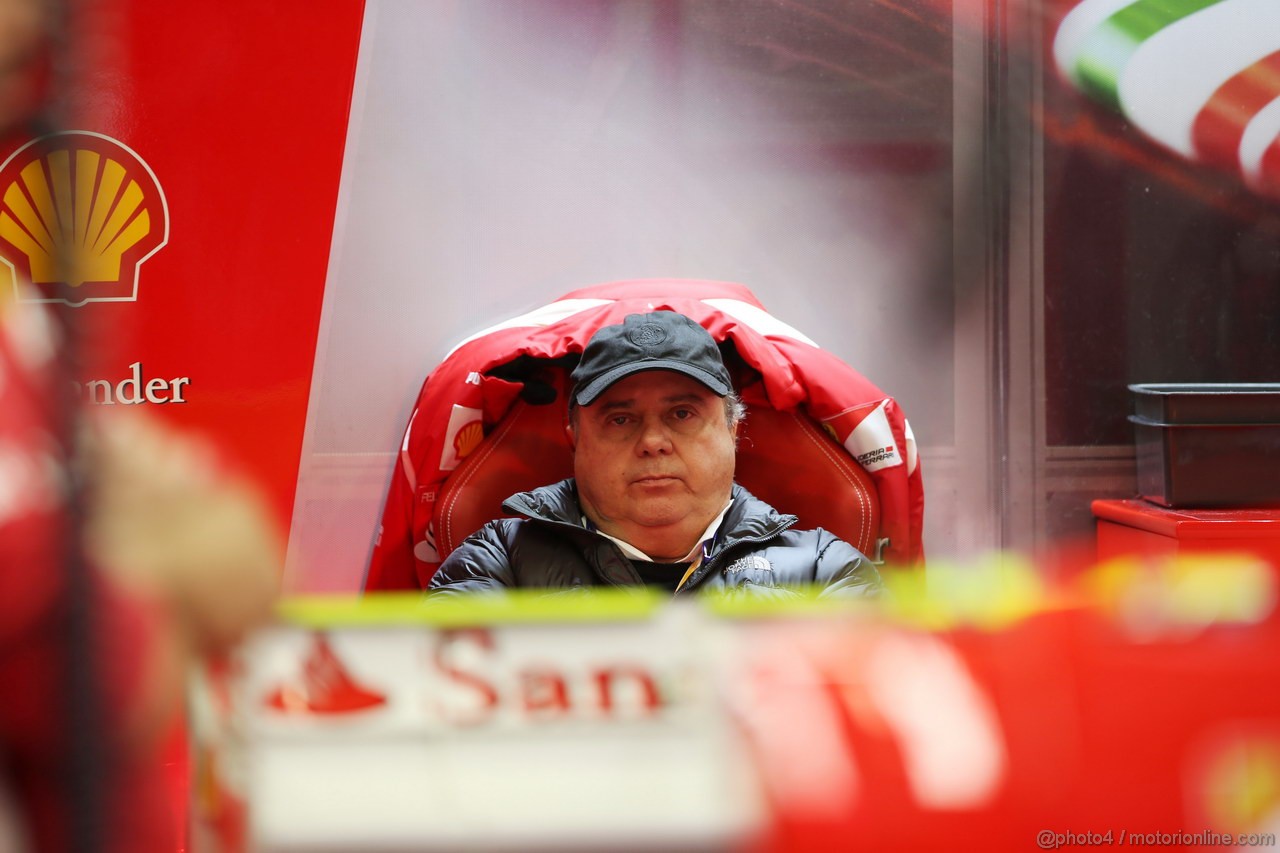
x,y
1107,49
1076,28
1260,149
1219,127
1268,175
1201,77
1173,75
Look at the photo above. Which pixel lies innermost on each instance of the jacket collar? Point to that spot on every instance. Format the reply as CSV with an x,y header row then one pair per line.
x,y
748,518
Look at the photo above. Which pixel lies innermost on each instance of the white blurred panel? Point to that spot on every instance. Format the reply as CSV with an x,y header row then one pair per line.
x,y
502,153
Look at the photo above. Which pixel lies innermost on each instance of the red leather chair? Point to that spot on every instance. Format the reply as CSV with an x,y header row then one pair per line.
x,y
820,440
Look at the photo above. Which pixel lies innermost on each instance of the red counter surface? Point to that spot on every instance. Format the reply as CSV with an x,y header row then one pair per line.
x,y
1139,526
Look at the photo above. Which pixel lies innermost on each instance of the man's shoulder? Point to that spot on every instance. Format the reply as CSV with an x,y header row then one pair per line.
x,y
753,510
817,538
498,532
749,505
508,532
834,562
483,559
553,502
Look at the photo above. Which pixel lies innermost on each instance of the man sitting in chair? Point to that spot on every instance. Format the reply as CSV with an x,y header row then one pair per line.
x,y
653,421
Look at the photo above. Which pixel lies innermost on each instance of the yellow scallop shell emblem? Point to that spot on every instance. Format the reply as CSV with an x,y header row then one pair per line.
x,y
468,439
80,208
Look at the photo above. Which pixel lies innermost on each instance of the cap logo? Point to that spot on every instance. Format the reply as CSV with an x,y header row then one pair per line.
x,y
647,336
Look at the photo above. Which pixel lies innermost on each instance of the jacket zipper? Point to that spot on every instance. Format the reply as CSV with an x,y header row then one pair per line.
x,y
697,576
706,567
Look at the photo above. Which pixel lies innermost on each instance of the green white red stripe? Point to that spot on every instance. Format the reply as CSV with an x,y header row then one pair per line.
x,y
1202,77
1220,126
1260,149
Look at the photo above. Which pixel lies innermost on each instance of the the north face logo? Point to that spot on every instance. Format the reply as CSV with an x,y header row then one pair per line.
x,y
754,563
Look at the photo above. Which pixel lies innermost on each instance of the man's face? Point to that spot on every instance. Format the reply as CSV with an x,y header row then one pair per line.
x,y
653,458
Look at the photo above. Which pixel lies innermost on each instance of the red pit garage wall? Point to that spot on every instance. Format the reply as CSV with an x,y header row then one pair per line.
x,y
231,119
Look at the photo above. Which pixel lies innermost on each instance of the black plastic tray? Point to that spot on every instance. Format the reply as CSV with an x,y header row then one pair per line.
x,y
1208,445
1207,403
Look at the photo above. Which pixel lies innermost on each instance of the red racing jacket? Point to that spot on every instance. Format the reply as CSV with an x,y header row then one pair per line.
x,y
460,402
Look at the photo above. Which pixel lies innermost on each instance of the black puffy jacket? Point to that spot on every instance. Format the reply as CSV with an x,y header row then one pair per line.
x,y
755,550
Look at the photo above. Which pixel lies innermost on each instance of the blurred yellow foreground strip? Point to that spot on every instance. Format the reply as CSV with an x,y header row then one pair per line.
x,y
991,593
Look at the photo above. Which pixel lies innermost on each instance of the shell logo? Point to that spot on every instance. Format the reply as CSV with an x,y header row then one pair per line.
x,y
79,214
468,438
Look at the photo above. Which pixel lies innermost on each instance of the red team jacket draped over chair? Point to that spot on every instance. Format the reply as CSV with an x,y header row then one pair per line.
x,y
820,440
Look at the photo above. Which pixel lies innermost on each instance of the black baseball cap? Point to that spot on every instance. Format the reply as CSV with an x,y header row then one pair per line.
x,y
661,340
